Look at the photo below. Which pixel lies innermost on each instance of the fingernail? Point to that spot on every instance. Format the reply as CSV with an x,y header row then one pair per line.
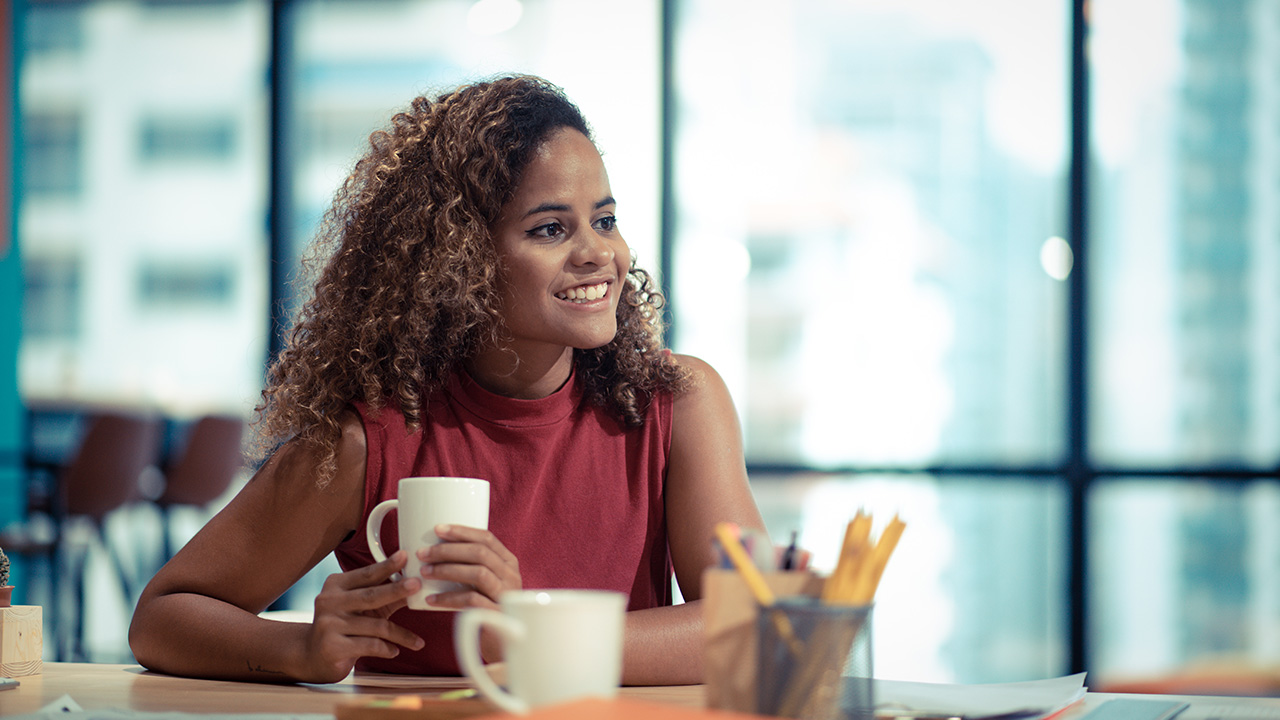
x,y
419,643
413,584
444,529
428,569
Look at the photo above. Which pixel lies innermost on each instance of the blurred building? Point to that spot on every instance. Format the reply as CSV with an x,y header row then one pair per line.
x,y
143,217
1228,267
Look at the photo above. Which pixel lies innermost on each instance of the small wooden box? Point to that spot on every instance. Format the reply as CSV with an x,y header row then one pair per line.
x,y
21,640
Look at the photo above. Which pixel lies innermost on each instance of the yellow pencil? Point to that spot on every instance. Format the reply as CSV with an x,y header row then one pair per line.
x,y
864,590
852,553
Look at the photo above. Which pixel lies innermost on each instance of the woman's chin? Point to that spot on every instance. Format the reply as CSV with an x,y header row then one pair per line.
x,y
595,343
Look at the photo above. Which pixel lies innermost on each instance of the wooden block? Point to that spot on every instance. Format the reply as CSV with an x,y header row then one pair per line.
x,y
21,640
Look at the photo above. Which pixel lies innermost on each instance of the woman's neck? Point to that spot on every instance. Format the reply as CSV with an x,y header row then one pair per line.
x,y
526,376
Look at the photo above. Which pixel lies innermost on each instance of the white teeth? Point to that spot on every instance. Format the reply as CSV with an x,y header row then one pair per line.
x,y
585,293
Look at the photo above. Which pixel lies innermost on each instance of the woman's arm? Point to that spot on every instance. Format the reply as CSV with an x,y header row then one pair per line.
x,y
198,615
706,484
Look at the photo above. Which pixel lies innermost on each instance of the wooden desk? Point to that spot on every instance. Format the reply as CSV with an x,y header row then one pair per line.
x,y
96,687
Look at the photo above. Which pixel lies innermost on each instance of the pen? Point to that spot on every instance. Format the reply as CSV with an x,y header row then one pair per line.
x,y
789,555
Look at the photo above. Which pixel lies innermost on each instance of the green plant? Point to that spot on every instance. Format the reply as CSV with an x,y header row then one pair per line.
x,y
4,568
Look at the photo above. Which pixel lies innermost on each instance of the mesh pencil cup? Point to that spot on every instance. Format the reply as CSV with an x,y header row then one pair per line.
x,y
814,661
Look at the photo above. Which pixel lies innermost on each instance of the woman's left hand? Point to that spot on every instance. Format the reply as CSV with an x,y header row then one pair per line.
x,y
473,557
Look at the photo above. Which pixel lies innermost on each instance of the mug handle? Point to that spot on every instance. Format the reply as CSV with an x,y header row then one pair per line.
x,y
373,529
466,639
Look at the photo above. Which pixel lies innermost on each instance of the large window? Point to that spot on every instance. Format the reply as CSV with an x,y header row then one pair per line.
x,y
1186,361
869,249
1186,229
142,223
865,191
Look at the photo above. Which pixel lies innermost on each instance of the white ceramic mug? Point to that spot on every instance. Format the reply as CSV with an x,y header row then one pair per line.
x,y
421,504
557,645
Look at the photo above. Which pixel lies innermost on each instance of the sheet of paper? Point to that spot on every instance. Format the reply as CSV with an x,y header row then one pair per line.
x,y
1205,708
1038,697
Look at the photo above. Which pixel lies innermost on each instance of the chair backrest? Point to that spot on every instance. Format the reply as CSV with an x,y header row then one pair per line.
x,y
105,471
209,462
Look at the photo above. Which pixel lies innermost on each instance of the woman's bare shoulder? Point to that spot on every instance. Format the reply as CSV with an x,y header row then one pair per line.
x,y
702,376
698,368
298,462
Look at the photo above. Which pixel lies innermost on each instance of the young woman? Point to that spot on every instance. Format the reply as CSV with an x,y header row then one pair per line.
x,y
477,314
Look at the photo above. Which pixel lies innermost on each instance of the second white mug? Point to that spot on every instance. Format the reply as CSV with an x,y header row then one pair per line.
x,y
421,504
557,645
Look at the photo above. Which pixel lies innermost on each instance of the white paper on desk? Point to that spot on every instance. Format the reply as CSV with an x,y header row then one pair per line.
x,y
975,701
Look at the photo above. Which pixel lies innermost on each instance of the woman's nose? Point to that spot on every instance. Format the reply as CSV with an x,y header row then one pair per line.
x,y
592,249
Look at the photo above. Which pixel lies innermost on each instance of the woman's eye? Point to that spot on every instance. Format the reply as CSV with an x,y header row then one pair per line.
x,y
548,230
607,223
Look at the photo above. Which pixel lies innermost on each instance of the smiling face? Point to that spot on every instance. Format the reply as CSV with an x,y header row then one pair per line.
x,y
563,259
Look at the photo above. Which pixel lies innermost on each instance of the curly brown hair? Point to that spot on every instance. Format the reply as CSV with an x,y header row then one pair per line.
x,y
407,267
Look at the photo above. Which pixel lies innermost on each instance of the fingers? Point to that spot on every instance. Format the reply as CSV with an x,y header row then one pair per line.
x,y
382,599
371,647
466,544
460,599
335,658
365,629
367,589
473,557
484,579
351,617
464,597
464,534
373,574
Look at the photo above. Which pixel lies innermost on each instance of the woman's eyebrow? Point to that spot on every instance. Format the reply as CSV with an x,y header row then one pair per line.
x,y
547,207
560,207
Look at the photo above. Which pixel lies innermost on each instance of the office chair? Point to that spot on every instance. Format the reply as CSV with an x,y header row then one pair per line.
x,y
203,470
102,476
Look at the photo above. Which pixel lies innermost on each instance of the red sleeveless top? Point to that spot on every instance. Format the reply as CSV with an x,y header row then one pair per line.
x,y
574,494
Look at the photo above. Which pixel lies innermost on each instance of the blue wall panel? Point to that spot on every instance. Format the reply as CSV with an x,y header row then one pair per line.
x,y
12,417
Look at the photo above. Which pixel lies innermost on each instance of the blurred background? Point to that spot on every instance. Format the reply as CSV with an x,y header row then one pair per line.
x,y
957,259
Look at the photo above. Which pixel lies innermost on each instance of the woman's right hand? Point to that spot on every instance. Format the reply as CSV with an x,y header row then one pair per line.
x,y
351,619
